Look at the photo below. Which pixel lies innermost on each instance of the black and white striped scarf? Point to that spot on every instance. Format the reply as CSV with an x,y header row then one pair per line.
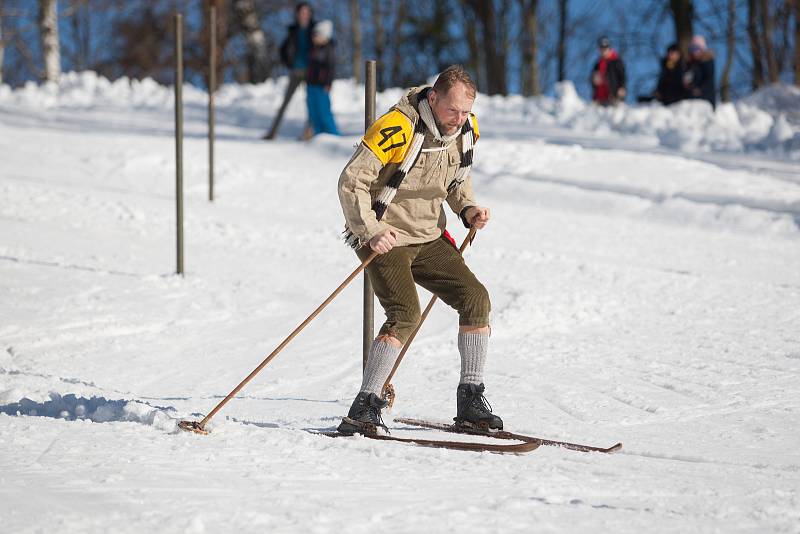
x,y
428,123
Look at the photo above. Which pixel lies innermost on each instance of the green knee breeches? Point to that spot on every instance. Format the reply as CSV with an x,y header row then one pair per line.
x,y
438,267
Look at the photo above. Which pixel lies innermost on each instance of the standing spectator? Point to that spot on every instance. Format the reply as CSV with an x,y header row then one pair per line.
x,y
670,87
321,62
699,78
294,54
608,75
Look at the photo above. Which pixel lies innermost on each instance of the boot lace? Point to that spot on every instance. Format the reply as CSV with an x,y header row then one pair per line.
x,y
481,402
375,415
374,412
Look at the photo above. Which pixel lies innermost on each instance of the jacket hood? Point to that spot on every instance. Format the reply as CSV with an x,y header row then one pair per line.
x,y
409,104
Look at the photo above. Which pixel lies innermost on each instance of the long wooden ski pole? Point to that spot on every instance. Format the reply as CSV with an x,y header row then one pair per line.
x,y
388,389
194,426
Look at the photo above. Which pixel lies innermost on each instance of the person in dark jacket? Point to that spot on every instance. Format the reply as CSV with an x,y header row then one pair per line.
x,y
608,75
294,54
321,62
699,78
670,87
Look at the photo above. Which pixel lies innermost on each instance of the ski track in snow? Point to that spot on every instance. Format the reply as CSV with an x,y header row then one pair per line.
x,y
640,294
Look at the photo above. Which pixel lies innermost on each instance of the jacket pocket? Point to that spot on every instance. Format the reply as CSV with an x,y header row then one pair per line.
x,y
417,175
454,163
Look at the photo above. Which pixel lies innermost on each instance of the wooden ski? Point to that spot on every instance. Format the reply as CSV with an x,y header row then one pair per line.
x,y
502,434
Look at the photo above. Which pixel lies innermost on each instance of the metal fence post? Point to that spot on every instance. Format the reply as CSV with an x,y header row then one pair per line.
x,y
212,87
179,136
369,295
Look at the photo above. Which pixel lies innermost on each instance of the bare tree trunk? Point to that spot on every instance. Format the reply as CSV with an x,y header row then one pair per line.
x,y
377,24
769,48
562,39
755,43
2,43
683,16
530,70
797,42
495,61
730,42
355,18
48,31
397,58
475,64
80,24
222,38
505,44
259,66
782,22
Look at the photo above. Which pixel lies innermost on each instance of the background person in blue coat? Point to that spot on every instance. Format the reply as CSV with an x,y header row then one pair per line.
x,y
294,54
321,63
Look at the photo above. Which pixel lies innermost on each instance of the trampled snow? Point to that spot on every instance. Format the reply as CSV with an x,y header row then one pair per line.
x,y
643,268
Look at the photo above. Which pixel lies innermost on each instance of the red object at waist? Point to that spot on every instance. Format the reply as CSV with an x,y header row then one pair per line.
x,y
447,236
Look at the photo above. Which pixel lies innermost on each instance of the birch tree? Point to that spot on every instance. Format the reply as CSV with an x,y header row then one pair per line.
x,y
48,32
257,56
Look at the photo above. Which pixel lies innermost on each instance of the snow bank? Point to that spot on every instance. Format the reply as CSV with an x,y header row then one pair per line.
x,y
760,122
768,120
97,409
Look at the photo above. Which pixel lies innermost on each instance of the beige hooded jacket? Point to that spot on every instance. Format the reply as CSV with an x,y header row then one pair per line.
x,y
416,213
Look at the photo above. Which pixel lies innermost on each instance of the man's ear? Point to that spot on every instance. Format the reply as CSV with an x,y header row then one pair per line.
x,y
431,96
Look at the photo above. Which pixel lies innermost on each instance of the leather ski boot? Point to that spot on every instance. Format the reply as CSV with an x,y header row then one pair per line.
x,y
474,411
364,416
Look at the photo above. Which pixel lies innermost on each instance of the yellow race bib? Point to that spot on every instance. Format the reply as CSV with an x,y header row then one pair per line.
x,y
389,137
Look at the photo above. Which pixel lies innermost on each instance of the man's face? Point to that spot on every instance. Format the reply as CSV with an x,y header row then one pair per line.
x,y
605,51
452,108
304,16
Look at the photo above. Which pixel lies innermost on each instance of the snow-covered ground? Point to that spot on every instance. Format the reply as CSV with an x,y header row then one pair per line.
x,y
645,288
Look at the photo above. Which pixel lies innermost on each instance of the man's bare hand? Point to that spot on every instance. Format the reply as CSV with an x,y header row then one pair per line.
x,y
477,216
383,242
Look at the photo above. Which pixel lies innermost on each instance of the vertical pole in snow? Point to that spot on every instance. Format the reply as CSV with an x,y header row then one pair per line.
x,y
179,135
369,295
212,87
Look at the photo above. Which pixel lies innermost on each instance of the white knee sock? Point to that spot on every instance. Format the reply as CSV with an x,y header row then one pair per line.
x,y
380,361
473,348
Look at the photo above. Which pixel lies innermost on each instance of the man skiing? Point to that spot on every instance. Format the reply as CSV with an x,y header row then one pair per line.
x,y
410,161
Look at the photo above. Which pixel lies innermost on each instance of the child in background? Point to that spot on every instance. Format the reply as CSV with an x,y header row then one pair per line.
x,y
321,63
